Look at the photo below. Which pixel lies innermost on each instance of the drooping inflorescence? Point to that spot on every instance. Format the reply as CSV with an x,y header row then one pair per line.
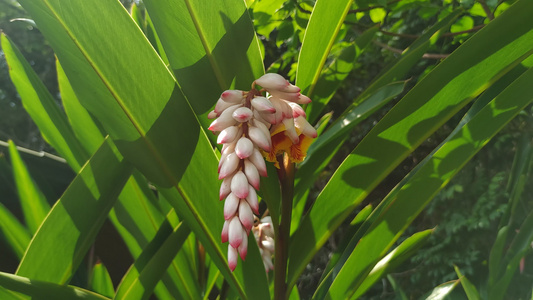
x,y
251,126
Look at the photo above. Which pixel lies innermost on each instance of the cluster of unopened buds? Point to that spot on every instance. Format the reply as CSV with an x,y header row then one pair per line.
x,y
252,126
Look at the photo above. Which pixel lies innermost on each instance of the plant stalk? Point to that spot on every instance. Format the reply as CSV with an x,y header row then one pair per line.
x,y
286,180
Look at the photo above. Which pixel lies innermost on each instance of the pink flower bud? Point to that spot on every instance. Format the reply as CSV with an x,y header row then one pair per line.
x,y
242,114
262,104
230,206
264,130
225,119
245,215
222,105
257,159
228,135
257,136
303,100
290,131
211,115
232,258
297,110
235,231
239,185
304,127
244,148
229,166
252,200
224,234
292,97
272,81
243,248
233,96
226,150
225,187
268,244
252,174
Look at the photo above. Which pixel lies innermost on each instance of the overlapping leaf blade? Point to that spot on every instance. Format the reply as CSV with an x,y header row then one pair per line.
x,y
98,184
33,202
459,78
140,109
406,201
320,34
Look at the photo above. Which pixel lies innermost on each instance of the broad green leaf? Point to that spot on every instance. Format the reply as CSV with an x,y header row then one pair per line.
x,y
442,291
211,47
394,259
135,215
320,34
334,74
150,266
41,290
470,289
462,76
75,219
141,108
16,235
326,145
42,108
101,281
408,199
83,124
34,204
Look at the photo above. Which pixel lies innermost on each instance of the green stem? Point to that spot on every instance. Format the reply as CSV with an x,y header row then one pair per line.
x,y
286,180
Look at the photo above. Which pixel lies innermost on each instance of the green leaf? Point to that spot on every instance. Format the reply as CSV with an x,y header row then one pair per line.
x,y
470,289
394,259
141,106
41,290
33,202
462,76
42,108
150,266
322,29
75,219
408,199
101,281
209,44
442,291
135,215
334,74
16,235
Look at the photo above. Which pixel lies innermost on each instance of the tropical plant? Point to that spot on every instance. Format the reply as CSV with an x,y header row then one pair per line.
x,y
138,89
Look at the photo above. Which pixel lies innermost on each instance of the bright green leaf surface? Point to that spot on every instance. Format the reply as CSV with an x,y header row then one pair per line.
x,y
42,108
470,289
101,281
72,221
34,204
320,34
406,201
464,75
40,290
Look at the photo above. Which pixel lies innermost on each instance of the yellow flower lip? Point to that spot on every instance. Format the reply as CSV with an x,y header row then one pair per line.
x,y
281,143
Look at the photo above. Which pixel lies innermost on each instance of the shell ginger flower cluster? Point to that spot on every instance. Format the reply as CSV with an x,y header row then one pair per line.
x,y
251,126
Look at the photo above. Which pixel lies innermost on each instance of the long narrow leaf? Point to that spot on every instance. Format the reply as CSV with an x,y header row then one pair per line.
x,y
41,290
409,198
70,228
152,263
33,202
16,235
322,29
465,74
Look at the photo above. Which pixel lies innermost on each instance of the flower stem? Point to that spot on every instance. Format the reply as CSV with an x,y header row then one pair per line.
x,y
286,180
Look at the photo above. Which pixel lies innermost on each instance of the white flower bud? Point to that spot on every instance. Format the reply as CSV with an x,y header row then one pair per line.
x,y
232,258
257,136
235,231
228,135
263,105
244,148
257,159
252,200
230,206
251,174
229,165
245,215
242,114
233,96
239,185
